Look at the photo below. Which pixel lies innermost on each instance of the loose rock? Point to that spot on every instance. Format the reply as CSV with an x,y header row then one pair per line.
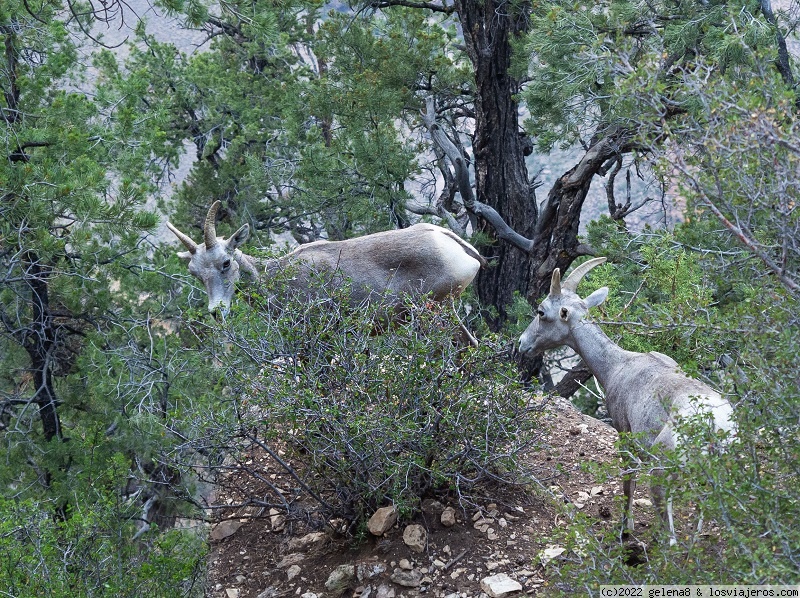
x,y
224,529
382,521
367,571
408,579
448,517
341,578
499,585
415,537
384,591
292,572
291,559
306,541
277,520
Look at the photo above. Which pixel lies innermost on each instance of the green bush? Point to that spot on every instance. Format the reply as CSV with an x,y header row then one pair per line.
x,y
91,553
367,413
741,336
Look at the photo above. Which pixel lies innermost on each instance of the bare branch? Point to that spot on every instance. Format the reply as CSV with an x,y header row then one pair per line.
x,y
782,63
461,167
448,10
573,381
741,234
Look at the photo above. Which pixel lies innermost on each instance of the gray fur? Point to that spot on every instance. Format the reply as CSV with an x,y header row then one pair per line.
x,y
421,259
644,392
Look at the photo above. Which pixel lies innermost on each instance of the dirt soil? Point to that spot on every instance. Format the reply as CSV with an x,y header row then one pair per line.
x,y
511,533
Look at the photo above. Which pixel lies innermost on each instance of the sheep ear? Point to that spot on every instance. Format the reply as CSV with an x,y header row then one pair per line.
x,y
239,237
185,255
597,297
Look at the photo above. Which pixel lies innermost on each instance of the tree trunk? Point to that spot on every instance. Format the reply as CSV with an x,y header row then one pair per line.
x,y
557,244
40,345
501,176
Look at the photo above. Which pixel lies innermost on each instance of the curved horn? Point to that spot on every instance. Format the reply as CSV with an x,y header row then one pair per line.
x,y
571,283
555,283
210,229
185,239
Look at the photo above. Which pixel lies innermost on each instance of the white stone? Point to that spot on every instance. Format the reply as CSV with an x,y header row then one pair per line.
x,y
292,572
499,585
551,552
384,591
367,571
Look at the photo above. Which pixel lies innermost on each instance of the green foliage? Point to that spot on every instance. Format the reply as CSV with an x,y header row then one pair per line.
x,y
85,402
299,127
746,496
632,64
91,553
670,293
364,420
657,289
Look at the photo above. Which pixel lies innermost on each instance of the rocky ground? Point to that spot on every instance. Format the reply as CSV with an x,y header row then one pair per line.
x,y
504,547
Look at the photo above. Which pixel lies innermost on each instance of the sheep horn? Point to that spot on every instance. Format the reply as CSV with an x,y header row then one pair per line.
x,y
571,283
555,283
210,229
184,238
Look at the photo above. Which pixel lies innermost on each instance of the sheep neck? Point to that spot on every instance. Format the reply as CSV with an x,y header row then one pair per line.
x,y
601,355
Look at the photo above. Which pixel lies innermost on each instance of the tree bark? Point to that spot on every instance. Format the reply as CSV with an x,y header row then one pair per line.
x,y
40,343
501,176
556,243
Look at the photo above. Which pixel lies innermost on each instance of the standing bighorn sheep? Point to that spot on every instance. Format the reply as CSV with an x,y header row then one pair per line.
x,y
645,393
418,260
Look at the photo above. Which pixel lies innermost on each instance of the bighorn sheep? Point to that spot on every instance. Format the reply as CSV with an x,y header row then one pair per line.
x,y
645,393
418,260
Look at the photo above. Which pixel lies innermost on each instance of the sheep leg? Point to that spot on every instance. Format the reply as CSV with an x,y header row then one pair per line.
x,y
698,532
465,335
672,539
663,505
628,489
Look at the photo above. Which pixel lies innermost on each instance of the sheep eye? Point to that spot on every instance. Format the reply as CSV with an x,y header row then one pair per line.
x,y
226,264
540,313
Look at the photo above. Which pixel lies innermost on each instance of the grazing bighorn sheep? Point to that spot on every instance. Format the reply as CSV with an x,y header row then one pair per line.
x,y
421,259
645,393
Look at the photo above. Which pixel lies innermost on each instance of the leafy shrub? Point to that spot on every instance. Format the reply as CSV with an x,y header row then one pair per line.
x,y
741,336
361,419
91,554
